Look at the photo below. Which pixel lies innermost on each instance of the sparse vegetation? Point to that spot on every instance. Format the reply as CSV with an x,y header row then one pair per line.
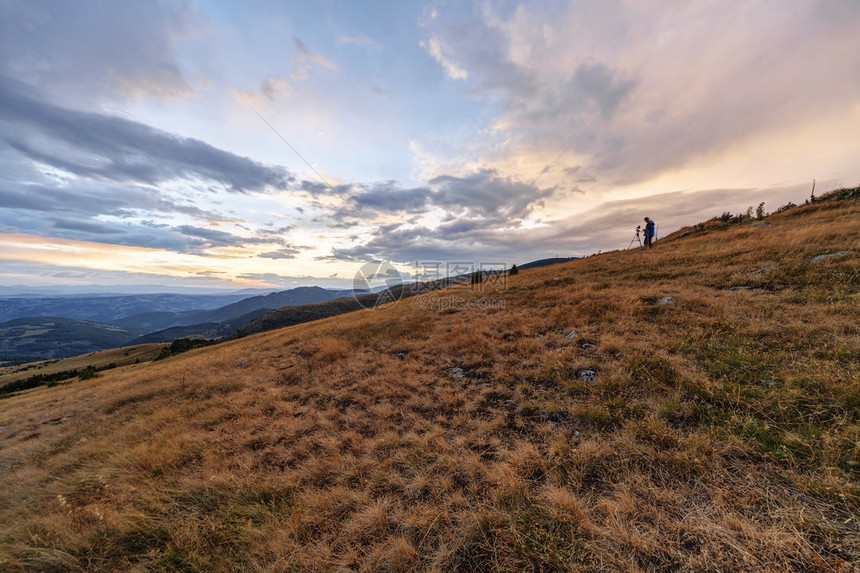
x,y
61,370
181,345
52,379
715,433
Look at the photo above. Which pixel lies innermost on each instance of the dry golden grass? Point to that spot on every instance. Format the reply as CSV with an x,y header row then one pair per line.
x,y
721,432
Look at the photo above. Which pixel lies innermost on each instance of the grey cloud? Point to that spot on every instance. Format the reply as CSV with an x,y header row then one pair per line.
x,y
458,227
389,196
104,147
95,228
277,231
93,199
214,237
147,234
484,195
315,188
285,253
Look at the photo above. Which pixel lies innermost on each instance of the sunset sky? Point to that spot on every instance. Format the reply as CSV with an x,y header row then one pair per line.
x,y
276,144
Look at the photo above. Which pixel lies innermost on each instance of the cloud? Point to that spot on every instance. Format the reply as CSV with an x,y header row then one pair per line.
x,y
86,227
287,281
487,193
285,253
252,100
272,89
483,211
275,88
277,231
90,50
390,197
305,60
452,70
103,147
484,195
632,90
216,238
361,41
94,198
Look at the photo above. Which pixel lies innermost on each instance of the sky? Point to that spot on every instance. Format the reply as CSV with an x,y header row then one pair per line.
x,y
274,144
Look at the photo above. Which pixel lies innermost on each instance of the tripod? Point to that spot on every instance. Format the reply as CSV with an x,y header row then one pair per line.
x,y
635,238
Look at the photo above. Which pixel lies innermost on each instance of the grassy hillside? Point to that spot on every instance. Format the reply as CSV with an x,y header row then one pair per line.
x,y
705,416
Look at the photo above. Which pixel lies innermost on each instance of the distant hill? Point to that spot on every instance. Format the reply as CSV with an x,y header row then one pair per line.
x,y
108,308
30,339
152,321
545,263
208,330
293,297
223,321
291,315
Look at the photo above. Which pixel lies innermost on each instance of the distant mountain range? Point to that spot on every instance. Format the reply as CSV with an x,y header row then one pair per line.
x,y
39,328
108,308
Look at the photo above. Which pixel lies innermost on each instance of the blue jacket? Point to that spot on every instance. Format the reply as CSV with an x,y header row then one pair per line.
x,y
649,229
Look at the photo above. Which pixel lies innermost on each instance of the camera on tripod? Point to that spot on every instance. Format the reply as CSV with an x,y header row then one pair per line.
x,y
636,238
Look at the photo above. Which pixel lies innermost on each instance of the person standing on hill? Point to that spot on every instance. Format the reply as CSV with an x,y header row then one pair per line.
x,y
649,232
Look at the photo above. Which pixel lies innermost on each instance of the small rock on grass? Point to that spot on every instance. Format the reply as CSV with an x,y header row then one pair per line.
x,y
588,346
457,373
571,335
820,258
588,375
666,301
764,270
